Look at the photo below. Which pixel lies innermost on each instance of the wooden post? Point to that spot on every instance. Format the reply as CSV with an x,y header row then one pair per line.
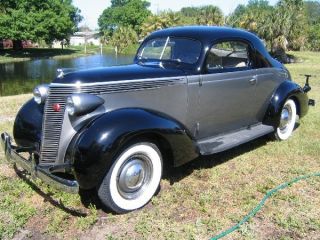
x,y
85,45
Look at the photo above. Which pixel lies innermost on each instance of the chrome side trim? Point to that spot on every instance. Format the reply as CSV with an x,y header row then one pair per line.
x,y
79,84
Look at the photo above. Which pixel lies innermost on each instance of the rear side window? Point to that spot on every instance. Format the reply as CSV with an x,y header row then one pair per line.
x,y
228,56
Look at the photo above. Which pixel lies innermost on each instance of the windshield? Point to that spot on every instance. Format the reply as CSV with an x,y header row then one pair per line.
x,y
171,49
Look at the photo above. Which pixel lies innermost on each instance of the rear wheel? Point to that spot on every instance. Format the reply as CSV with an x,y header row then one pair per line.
x,y
133,178
287,120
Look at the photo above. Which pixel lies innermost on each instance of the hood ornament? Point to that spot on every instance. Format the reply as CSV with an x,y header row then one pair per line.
x,y
60,73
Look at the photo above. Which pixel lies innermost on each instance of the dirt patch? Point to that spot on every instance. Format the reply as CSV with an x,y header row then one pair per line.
x,y
7,171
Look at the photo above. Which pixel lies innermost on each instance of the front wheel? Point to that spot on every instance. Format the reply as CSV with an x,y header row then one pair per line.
x,y
287,120
133,178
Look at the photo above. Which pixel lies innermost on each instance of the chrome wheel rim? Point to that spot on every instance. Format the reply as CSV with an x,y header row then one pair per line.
x,y
134,176
286,118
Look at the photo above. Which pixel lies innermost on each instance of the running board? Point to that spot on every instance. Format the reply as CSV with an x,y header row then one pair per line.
x,y
223,142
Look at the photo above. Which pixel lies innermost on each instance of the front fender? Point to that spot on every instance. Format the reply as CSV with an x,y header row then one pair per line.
x,y
28,125
96,147
287,89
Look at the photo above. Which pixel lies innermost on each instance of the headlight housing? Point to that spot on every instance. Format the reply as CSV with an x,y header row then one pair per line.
x,y
40,93
82,103
70,106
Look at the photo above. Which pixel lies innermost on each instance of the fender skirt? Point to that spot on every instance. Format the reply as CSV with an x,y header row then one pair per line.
x,y
287,89
94,149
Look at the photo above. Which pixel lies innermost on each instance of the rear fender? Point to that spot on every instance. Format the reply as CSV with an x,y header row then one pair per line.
x,y
286,90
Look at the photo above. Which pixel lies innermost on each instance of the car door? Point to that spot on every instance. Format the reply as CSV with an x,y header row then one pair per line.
x,y
227,89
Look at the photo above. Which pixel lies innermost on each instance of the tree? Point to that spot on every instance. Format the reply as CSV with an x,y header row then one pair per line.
x,y
313,11
127,13
291,22
206,15
122,38
38,20
255,17
281,26
313,16
158,22
210,15
119,3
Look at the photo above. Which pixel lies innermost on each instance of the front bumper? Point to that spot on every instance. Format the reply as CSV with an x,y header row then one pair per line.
x,y
45,173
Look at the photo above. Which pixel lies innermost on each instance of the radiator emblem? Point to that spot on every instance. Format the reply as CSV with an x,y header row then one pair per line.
x,y
56,107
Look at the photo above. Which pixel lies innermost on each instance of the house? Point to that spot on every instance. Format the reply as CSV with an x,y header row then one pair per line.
x,y
80,38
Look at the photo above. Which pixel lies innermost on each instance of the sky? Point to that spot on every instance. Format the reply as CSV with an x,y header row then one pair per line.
x,y
92,9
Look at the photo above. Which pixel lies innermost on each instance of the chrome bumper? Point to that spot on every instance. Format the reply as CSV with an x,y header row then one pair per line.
x,y
42,172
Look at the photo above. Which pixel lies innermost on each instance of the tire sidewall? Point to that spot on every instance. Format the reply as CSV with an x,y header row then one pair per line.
x,y
108,191
284,136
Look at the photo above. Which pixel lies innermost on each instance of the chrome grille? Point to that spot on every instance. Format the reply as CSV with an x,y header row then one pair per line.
x,y
52,123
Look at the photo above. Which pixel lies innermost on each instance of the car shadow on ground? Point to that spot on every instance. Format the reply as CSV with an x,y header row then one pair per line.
x,y
173,175
48,196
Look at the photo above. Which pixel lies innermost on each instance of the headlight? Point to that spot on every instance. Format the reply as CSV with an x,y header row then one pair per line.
x,y
82,103
40,93
70,106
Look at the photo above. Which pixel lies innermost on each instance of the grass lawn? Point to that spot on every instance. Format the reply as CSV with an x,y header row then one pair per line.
x,y
196,201
10,55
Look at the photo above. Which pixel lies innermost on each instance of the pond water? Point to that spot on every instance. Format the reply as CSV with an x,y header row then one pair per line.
x,y
22,77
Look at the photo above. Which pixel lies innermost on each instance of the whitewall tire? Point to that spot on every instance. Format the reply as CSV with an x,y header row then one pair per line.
x,y
287,120
133,178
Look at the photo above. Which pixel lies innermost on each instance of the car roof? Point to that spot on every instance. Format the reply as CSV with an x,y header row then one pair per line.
x,y
207,34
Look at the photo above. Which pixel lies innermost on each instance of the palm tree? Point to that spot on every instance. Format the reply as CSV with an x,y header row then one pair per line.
x,y
158,22
210,15
122,38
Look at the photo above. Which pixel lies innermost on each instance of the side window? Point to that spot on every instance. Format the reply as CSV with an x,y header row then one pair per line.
x,y
228,56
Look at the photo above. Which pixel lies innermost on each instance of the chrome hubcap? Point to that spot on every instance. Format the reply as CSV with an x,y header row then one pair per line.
x,y
286,117
134,175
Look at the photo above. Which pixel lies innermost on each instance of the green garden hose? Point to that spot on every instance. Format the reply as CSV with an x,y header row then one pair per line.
x,y
261,203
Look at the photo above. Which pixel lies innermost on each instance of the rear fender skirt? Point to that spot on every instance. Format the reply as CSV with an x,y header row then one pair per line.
x,y
287,89
96,146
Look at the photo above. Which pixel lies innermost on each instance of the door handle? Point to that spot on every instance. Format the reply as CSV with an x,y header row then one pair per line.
x,y
253,81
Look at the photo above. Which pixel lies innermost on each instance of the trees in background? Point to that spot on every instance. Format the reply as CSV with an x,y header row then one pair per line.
x,y
281,26
123,37
293,24
313,17
209,15
124,13
290,24
255,17
121,23
37,20
205,15
161,21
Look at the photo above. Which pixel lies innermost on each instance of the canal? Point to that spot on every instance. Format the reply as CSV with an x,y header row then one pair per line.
x,y
22,77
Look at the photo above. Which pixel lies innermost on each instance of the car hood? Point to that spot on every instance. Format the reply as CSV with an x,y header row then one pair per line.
x,y
118,73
